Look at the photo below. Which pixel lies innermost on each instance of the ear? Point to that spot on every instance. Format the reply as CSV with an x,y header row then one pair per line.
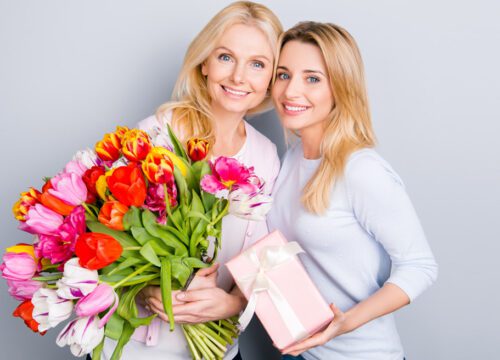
x,y
204,69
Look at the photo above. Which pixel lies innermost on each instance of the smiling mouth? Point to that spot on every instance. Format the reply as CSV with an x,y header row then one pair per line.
x,y
294,109
234,92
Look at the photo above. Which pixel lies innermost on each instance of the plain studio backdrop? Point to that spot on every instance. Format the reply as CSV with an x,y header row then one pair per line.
x,y
71,71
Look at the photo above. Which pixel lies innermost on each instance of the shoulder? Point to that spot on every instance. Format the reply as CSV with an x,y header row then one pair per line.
x,y
259,142
154,122
366,167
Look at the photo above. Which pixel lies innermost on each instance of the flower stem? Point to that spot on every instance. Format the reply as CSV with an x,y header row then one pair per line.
x,y
205,351
132,248
167,207
221,214
137,272
89,211
192,348
48,278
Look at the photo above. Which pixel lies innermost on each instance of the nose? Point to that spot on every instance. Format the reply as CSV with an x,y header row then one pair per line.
x,y
238,75
293,88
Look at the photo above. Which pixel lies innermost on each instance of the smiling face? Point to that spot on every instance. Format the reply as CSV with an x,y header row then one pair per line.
x,y
239,70
302,94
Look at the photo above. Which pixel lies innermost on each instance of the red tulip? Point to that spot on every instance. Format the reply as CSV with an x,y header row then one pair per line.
x,y
197,149
108,149
96,250
90,178
127,185
25,312
135,145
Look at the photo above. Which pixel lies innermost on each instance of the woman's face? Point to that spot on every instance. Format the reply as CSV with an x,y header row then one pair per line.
x,y
302,94
239,69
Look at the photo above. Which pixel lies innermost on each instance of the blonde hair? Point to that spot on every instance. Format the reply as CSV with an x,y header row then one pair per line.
x,y
348,127
190,103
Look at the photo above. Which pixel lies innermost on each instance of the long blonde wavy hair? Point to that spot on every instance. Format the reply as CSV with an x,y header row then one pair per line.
x,y
190,103
348,126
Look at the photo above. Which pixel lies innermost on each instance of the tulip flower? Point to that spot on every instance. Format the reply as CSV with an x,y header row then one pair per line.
x,y
25,312
127,185
76,167
22,248
158,166
77,281
230,174
99,300
18,266
197,149
60,247
91,176
135,145
111,214
41,220
25,202
96,250
23,289
49,309
87,157
69,187
82,335
155,201
252,206
108,149
121,131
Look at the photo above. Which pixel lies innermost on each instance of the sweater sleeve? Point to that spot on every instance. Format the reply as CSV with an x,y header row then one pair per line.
x,y
383,208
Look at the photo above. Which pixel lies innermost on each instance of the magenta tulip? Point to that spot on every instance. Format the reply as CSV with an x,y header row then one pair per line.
x,y
69,187
230,174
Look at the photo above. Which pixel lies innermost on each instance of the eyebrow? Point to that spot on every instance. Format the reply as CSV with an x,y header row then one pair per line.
x,y
252,56
307,71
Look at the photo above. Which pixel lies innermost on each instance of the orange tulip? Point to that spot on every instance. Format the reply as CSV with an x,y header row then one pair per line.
x,y
197,149
22,206
135,145
111,214
108,149
25,312
53,202
158,167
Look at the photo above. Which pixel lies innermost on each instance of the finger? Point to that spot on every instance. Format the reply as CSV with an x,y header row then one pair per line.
x,y
188,319
194,295
209,270
155,303
337,313
304,345
193,308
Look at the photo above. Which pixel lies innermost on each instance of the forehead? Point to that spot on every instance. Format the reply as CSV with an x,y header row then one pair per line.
x,y
297,55
246,40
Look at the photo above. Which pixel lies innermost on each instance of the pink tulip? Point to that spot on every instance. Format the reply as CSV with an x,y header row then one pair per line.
x,y
75,167
102,298
229,174
60,247
41,220
23,289
69,187
18,266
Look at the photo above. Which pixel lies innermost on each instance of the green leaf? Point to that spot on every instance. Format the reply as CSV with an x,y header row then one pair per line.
x,y
132,218
122,237
166,290
136,322
195,263
180,271
127,307
141,234
182,188
124,265
114,326
149,254
128,330
178,148
96,353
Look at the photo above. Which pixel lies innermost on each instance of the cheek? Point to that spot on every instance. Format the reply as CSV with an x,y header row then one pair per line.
x,y
260,82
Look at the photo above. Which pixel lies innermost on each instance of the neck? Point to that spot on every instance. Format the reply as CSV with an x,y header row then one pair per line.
x,y
311,141
230,132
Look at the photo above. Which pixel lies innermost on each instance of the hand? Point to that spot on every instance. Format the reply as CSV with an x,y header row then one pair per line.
x,y
337,327
198,306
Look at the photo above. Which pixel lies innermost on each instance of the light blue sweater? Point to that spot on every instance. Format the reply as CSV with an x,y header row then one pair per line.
x,y
369,235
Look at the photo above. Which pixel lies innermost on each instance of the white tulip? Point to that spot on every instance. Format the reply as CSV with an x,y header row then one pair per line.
x,y
87,157
49,309
82,335
252,206
77,281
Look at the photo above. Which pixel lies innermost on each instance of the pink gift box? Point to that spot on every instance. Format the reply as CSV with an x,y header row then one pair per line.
x,y
295,286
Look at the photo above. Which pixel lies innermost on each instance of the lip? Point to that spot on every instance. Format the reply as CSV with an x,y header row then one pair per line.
x,y
294,109
234,93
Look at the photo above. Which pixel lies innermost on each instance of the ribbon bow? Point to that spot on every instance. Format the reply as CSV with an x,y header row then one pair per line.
x,y
271,257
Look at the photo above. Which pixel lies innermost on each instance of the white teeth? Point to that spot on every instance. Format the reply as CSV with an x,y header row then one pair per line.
x,y
295,108
235,92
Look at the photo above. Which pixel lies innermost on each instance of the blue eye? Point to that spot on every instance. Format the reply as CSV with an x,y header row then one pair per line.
x,y
224,57
258,64
283,76
312,79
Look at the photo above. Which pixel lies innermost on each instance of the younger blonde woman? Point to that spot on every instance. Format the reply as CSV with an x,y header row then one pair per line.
x,y
225,76
365,248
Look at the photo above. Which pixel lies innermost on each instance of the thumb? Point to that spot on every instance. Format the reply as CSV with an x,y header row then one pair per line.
x,y
208,271
336,311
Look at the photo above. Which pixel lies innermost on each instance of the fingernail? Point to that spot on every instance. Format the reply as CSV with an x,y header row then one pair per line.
x,y
181,296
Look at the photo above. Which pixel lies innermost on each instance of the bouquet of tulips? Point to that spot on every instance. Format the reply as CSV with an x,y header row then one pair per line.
x,y
135,211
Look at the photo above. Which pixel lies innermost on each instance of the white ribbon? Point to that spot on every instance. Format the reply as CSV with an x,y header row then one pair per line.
x,y
271,257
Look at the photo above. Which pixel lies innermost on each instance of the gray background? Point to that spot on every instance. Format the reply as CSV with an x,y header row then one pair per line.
x,y
71,70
